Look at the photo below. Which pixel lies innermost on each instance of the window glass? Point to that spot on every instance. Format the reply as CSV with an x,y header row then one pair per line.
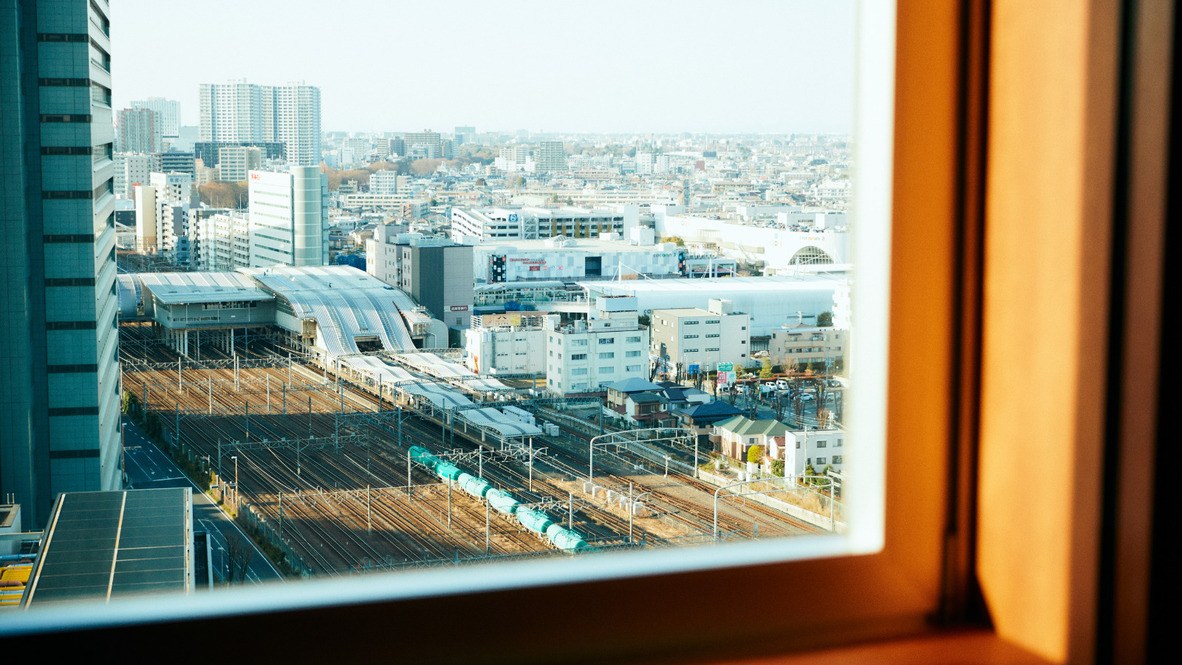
x,y
418,456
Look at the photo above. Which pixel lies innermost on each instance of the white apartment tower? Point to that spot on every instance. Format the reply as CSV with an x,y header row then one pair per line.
x,y
287,211
241,111
550,157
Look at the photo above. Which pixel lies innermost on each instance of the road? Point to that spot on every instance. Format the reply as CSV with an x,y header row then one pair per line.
x,y
147,467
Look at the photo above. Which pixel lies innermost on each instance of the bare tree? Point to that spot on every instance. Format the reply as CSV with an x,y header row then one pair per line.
x,y
239,552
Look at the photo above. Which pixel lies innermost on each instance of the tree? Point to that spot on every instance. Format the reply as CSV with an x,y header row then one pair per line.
x,y
765,372
673,239
778,467
755,454
825,319
425,166
519,182
239,552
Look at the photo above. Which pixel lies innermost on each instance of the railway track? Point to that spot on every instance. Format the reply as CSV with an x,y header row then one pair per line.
x,y
350,506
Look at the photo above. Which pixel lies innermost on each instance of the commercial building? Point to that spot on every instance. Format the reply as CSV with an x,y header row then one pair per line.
x,y
698,340
287,212
178,162
245,112
436,272
571,260
132,169
793,346
235,162
771,302
510,343
137,130
477,225
59,400
776,246
609,346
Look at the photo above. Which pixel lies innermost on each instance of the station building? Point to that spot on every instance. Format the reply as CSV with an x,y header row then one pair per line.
x,y
330,311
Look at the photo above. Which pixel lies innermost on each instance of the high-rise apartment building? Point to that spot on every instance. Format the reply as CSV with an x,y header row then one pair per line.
x,y
425,144
464,134
137,130
59,400
550,157
170,114
238,111
287,212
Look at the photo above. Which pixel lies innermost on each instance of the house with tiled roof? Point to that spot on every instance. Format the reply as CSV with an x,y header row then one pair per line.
x,y
737,434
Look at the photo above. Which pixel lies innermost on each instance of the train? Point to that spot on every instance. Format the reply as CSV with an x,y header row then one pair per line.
x,y
535,521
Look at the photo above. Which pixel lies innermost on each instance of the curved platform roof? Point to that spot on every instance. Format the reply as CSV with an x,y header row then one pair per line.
x,y
346,303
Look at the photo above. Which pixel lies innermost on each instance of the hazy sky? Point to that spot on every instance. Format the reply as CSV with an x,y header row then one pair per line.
x,y
737,66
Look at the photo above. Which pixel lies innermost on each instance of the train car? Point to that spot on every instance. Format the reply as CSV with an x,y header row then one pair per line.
x,y
447,470
534,520
477,487
423,456
564,539
502,502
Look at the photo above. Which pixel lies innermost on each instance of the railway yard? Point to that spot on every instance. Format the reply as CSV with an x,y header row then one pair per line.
x,y
323,464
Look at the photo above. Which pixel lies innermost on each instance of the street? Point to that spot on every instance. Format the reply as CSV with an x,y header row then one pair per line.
x,y
147,467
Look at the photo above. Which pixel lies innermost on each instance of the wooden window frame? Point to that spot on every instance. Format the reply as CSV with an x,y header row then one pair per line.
x,y
1008,130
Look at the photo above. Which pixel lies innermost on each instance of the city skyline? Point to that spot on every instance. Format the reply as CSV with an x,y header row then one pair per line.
x,y
624,69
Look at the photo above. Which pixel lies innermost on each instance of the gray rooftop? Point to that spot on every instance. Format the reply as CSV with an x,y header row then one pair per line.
x,y
103,545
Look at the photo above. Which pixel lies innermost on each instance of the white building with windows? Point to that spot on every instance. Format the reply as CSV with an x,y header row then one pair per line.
x,y
550,157
509,343
287,212
383,183
133,168
609,346
700,339
477,225
224,242
821,448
